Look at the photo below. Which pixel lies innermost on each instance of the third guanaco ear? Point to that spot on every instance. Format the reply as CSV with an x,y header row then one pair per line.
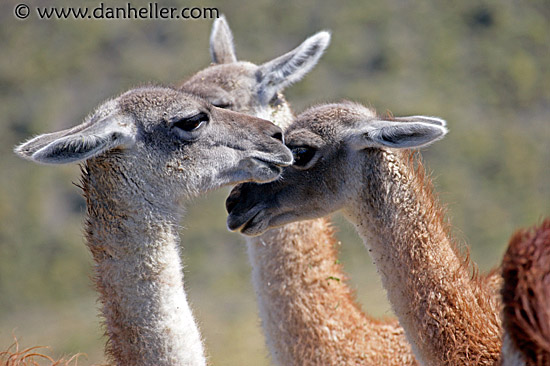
x,y
222,49
277,74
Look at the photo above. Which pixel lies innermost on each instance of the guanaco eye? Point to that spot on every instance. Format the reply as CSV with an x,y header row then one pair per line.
x,y
302,155
193,123
223,105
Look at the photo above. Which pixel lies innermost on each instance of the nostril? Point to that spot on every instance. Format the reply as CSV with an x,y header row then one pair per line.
x,y
232,200
278,136
230,204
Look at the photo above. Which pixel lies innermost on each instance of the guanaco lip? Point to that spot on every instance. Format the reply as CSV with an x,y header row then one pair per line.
x,y
242,222
272,162
249,223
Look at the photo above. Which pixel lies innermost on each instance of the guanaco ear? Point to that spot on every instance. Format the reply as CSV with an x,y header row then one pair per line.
x,y
277,74
78,143
400,133
222,49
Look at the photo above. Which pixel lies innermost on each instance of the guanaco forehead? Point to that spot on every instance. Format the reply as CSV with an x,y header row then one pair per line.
x,y
327,123
143,102
223,75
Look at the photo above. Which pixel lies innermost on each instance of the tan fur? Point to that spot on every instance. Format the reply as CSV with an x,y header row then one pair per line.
x,y
450,316
309,312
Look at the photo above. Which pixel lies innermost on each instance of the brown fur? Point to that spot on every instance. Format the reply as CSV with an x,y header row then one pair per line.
x,y
526,293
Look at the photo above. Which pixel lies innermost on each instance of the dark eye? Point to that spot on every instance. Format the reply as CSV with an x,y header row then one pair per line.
x,y
302,155
192,123
224,105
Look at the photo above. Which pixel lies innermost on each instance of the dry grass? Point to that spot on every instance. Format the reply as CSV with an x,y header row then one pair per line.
x,y
33,356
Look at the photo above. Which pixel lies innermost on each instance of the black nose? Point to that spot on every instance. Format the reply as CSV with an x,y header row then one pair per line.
x,y
233,198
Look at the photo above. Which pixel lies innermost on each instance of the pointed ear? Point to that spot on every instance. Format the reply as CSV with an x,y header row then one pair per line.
x,y
222,49
399,133
277,74
78,143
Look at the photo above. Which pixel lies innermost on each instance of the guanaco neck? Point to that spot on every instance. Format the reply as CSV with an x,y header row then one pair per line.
x,y
427,282
308,312
138,273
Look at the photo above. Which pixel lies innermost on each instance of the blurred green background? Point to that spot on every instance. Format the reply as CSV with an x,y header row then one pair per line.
x,y
484,66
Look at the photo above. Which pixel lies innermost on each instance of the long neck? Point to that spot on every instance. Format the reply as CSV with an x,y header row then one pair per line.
x,y
448,317
309,315
308,312
138,275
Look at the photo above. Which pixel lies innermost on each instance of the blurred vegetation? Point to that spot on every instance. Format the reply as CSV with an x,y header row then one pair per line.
x,y
481,65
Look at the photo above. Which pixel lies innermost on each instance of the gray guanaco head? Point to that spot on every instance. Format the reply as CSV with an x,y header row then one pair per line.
x,y
253,89
167,143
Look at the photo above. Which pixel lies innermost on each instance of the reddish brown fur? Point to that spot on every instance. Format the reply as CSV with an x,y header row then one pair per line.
x,y
487,284
526,293
470,337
